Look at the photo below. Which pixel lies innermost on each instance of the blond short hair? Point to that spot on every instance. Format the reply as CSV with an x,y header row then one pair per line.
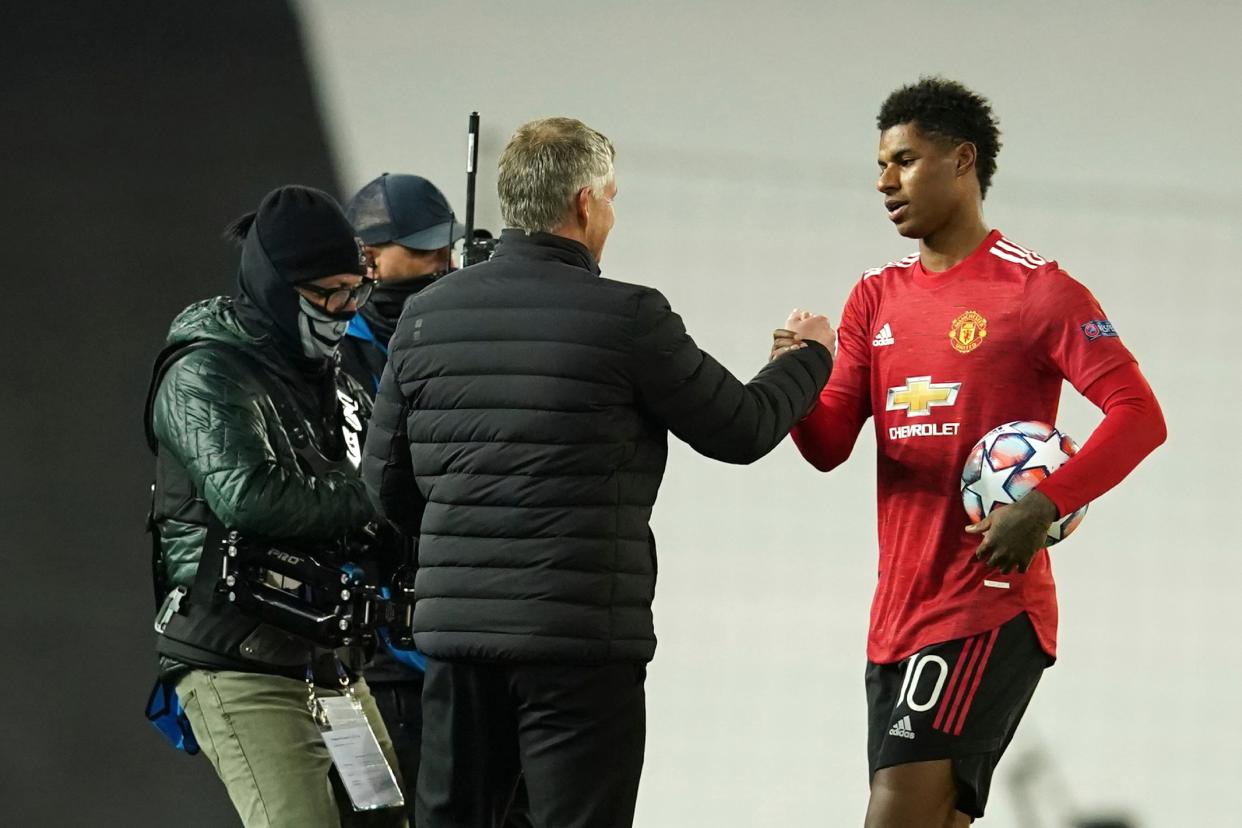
x,y
543,167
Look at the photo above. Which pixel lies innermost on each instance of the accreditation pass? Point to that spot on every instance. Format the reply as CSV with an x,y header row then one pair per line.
x,y
362,766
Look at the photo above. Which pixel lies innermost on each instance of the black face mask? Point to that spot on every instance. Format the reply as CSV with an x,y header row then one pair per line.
x,y
389,298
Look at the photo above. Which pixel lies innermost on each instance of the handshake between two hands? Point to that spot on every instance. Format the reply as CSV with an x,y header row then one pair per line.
x,y
800,327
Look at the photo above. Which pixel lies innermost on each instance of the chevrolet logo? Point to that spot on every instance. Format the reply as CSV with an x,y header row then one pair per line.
x,y
919,395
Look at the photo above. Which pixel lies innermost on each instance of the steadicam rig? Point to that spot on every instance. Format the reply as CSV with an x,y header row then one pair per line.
x,y
327,601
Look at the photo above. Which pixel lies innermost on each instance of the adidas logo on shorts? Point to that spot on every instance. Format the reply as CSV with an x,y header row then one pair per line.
x,y
902,728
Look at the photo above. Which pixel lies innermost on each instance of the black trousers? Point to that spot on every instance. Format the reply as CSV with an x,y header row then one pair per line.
x,y
401,705
575,733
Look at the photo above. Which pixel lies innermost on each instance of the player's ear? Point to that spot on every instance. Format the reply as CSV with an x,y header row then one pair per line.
x,y
965,157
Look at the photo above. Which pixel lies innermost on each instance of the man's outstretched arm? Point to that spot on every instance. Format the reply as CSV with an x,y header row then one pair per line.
x,y
699,401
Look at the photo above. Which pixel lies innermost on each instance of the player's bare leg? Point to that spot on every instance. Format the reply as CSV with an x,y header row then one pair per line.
x,y
915,795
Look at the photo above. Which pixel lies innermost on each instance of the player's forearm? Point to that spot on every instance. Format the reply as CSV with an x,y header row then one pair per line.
x,y
1132,428
826,436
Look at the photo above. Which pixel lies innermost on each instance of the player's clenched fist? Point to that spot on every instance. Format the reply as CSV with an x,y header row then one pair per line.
x,y
807,325
799,327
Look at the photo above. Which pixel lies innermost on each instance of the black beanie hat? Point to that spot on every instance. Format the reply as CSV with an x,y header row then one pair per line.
x,y
298,235
303,234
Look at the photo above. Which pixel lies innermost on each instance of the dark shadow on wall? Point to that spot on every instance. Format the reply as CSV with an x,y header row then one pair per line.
x,y
134,132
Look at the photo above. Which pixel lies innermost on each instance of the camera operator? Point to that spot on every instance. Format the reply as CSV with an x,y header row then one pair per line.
x,y
521,431
258,432
409,231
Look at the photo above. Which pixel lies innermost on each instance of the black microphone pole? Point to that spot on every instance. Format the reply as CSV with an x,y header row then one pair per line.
x,y
472,164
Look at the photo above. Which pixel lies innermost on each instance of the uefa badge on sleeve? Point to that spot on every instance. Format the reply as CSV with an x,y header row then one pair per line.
x,y
1098,328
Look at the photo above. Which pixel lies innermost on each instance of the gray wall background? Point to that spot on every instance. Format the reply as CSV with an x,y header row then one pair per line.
x,y
746,152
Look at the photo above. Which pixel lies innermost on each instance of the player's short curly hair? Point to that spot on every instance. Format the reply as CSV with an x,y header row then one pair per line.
x,y
948,110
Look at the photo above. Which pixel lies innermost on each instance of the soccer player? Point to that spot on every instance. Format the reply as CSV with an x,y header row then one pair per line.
x,y
972,331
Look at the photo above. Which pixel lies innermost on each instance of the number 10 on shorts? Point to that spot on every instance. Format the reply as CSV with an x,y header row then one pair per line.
x,y
915,667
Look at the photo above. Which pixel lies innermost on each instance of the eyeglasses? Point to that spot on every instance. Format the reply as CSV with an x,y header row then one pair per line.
x,y
337,299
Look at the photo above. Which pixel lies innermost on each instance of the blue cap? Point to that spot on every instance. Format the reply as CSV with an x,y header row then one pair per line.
x,y
404,209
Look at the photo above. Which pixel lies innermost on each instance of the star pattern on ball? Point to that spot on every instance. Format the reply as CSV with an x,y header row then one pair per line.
x,y
1047,453
990,487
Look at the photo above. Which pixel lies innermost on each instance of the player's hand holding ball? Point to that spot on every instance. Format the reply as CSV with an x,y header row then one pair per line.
x,y
1012,535
998,491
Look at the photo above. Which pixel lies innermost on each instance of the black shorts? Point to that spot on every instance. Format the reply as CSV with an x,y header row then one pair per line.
x,y
958,700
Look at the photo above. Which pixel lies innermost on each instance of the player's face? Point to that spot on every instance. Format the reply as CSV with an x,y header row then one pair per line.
x,y
918,177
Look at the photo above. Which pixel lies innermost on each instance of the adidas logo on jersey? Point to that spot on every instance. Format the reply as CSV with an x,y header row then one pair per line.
x,y
884,337
902,728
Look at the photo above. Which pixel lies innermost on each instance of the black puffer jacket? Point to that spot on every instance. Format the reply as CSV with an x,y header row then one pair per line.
x,y
521,431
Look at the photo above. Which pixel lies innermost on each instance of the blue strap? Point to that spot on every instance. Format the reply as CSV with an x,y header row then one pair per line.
x,y
410,658
165,712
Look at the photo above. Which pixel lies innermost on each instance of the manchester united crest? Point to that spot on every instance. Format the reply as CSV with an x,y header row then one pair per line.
x,y
968,332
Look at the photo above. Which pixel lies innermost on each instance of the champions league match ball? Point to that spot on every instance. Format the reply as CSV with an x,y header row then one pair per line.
x,y
1011,460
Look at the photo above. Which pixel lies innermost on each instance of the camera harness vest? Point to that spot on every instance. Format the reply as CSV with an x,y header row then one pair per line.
x,y
198,626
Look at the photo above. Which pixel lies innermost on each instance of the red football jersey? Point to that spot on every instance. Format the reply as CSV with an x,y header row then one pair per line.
x,y
940,359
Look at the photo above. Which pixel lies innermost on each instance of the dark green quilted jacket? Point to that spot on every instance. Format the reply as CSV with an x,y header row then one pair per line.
x,y
223,447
